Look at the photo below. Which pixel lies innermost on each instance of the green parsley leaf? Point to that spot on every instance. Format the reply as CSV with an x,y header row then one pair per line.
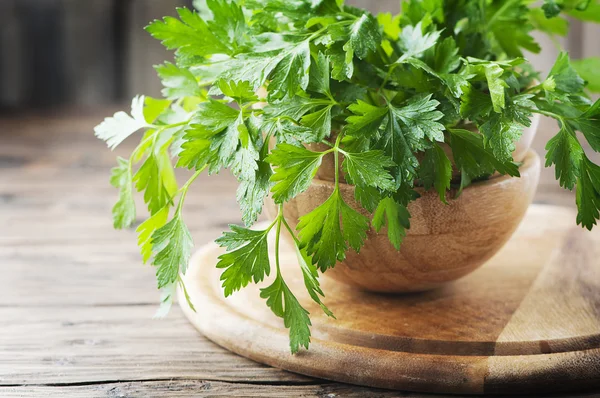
x,y
475,104
252,191
196,151
166,301
369,169
588,69
364,37
228,22
254,68
147,229
253,172
328,230
510,28
474,159
552,26
190,35
501,133
366,120
390,24
342,63
589,124
554,7
116,129
284,304
436,171
247,258
293,134
566,154
367,196
566,79
157,179
492,71
396,145
311,281
415,43
551,8
319,122
246,155
215,115
294,108
240,92
177,82
296,167
405,131
396,217
223,123
291,75
124,210
319,75
588,193
155,108
419,116
443,57
591,13
171,245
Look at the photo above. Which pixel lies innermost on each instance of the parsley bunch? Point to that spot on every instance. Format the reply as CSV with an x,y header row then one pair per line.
x,y
393,94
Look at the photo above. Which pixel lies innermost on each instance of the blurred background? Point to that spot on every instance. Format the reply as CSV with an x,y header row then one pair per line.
x,y
66,53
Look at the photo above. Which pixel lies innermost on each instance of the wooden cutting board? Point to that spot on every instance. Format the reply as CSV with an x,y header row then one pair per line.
x,y
527,321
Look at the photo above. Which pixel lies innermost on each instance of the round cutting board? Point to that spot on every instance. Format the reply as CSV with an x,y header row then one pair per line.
x,y
527,321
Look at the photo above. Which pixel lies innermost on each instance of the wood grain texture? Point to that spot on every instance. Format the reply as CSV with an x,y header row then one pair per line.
x,y
191,388
529,320
75,302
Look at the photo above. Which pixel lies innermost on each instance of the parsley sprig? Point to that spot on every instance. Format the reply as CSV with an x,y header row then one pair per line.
x,y
433,98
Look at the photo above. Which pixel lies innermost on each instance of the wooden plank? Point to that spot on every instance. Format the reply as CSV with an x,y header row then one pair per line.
x,y
91,344
189,388
177,388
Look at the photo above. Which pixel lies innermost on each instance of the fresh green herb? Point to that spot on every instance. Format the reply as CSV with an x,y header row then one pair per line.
x,y
401,102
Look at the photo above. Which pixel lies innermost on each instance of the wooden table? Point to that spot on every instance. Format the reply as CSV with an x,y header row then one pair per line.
x,y
76,304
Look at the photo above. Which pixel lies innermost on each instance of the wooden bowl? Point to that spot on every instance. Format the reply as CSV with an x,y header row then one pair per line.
x,y
444,243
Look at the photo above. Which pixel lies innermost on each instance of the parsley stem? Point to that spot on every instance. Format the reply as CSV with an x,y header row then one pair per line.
x,y
546,113
340,23
388,75
336,150
287,226
500,11
348,15
533,88
277,239
169,126
184,189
